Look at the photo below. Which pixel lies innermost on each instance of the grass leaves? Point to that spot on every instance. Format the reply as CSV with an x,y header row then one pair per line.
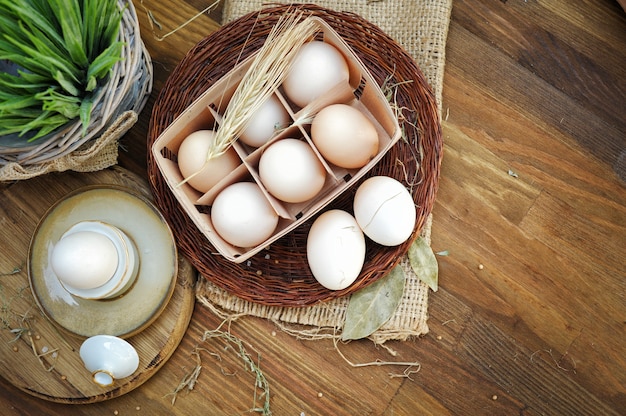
x,y
60,50
68,14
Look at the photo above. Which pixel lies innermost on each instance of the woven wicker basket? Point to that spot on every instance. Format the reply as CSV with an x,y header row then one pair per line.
x,y
279,276
127,88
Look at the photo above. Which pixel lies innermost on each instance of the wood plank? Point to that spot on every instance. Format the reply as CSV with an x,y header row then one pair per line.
x,y
570,91
539,380
165,54
554,307
543,380
534,87
563,40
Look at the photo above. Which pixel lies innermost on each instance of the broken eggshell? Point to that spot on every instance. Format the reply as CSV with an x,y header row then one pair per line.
x,y
108,358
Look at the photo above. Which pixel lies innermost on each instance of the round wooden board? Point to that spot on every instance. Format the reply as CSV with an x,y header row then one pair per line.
x,y
35,355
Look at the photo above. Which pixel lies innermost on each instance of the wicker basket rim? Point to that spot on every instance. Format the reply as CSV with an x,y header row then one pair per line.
x,y
131,82
277,276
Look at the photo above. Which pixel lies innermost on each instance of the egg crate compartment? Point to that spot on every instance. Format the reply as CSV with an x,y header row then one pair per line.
x,y
205,113
278,275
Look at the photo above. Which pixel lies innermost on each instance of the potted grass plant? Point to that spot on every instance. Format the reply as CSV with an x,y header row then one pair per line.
x,y
69,69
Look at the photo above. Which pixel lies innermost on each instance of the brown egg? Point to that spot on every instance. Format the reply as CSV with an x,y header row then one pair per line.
x,y
344,136
192,158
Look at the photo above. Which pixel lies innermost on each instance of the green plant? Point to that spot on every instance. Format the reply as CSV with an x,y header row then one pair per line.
x,y
62,50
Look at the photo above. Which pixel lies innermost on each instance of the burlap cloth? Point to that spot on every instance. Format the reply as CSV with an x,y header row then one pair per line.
x,y
421,27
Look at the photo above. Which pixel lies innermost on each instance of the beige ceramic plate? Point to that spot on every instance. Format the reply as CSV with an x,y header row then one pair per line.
x,y
144,301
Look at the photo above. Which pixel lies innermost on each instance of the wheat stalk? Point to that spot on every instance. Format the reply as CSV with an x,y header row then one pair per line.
x,y
266,73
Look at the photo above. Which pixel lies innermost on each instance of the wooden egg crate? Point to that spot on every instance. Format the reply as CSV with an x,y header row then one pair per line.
x,y
205,113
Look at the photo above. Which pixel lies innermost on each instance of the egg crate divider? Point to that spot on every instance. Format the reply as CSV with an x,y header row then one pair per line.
x,y
276,272
127,88
206,112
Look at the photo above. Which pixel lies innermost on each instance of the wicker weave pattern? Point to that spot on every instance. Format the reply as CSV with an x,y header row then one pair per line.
x,y
280,276
127,89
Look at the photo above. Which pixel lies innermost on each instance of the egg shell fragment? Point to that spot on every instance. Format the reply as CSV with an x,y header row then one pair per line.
x,y
335,249
385,210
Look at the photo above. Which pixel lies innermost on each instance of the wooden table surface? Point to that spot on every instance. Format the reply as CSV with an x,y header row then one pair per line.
x,y
530,317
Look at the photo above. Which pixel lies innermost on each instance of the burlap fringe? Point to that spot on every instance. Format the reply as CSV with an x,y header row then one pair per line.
x,y
421,27
100,154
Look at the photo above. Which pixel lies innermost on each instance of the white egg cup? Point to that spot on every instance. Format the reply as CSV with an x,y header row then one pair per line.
x,y
127,266
108,358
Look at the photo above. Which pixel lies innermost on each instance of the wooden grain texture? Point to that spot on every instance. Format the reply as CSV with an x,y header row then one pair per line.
x,y
532,87
167,42
42,359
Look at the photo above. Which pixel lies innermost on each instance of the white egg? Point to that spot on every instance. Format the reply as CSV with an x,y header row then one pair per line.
x,y
242,215
316,69
344,136
265,122
385,210
84,259
192,158
335,249
291,171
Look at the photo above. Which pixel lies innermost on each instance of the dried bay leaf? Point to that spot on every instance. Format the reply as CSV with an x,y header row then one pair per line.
x,y
372,306
424,263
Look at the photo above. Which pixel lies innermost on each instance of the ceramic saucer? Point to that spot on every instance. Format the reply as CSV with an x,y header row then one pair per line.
x,y
138,307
